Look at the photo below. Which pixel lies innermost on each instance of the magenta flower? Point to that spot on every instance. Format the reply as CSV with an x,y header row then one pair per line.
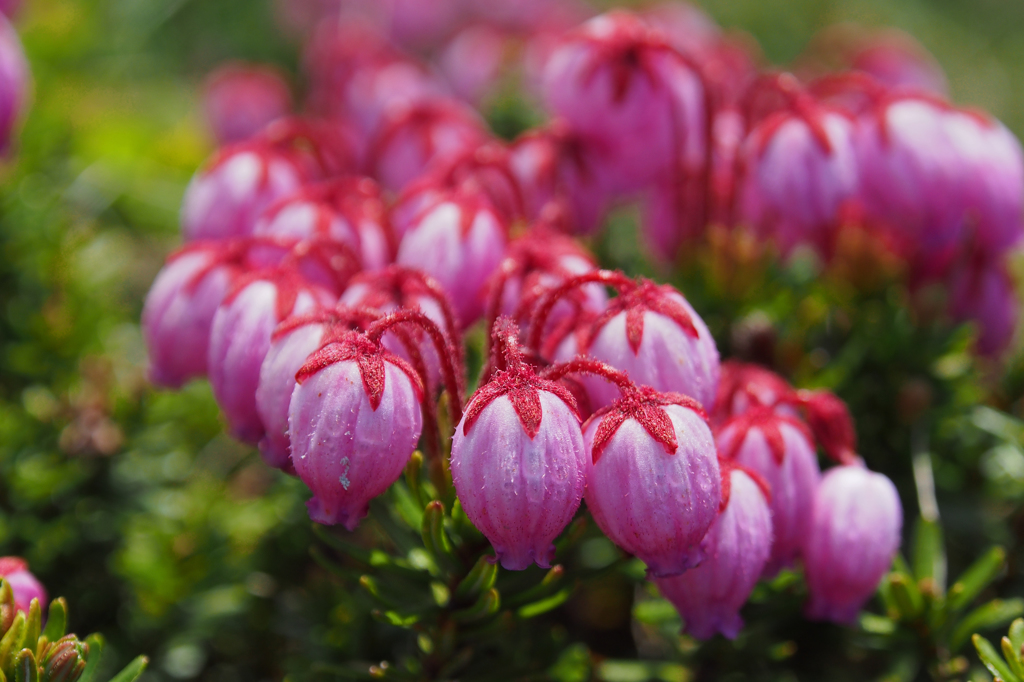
x,y
409,139
620,85
518,458
242,99
356,75
780,449
348,210
985,294
650,332
291,344
459,240
473,60
653,482
356,417
806,151
14,83
709,597
744,387
226,197
896,60
240,338
398,288
913,180
180,306
555,166
25,586
854,535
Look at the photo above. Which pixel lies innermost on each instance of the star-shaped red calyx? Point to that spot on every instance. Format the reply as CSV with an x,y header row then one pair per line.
x,y
769,422
646,296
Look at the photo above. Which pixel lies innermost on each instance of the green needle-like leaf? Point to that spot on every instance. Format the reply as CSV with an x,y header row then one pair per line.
x,y
56,620
929,555
479,579
92,661
11,643
1017,635
976,578
25,668
33,625
992,660
1012,657
906,596
990,615
435,539
545,605
487,605
132,671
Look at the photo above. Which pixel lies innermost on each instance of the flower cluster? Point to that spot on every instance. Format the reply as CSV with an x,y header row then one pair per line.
x,y
335,259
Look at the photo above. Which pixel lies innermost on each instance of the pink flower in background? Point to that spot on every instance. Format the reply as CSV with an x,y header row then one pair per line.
x,y
242,99
854,535
709,597
15,80
25,586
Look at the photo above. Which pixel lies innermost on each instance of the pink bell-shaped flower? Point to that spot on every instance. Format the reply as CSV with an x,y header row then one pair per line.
x,y
709,597
555,166
518,458
853,536
648,331
985,294
780,449
356,417
26,587
409,139
180,306
459,240
349,210
242,99
618,82
226,197
396,288
653,481
240,338
14,83
804,150
744,386
291,344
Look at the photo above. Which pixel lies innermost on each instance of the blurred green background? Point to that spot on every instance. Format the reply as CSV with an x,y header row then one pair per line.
x,y
177,542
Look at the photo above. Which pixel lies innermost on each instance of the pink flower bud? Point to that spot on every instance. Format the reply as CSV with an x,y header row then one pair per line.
x,y
896,60
518,460
653,334
653,483
985,294
225,198
853,537
619,83
180,306
25,586
537,263
14,83
807,152
553,165
10,8
356,75
348,210
291,344
484,169
459,240
709,597
240,339
912,178
242,99
354,420
397,288
744,387
473,60
779,448
410,138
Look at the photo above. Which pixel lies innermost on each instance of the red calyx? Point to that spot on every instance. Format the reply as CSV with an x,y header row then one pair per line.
x,y
769,423
832,424
369,356
643,404
12,564
754,381
516,380
337,320
288,282
647,296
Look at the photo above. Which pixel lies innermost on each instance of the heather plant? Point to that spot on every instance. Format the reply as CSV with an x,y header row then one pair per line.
x,y
653,342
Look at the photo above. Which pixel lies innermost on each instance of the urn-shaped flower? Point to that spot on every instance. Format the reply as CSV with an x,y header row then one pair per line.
x,y
854,535
518,460
653,481
26,587
709,597
354,421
